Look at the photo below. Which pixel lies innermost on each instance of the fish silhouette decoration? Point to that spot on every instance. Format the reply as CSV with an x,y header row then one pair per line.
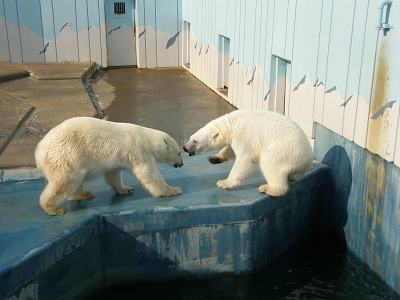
x,y
332,89
266,96
142,33
302,80
44,49
346,101
114,29
252,77
380,112
65,25
172,40
208,47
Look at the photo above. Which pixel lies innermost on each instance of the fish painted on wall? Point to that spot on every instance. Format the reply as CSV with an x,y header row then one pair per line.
x,y
380,112
302,80
44,49
172,40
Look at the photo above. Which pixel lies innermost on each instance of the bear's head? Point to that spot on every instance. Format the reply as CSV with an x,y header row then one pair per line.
x,y
206,139
172,154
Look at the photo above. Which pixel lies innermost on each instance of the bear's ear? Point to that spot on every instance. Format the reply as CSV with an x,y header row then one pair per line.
x,y
215,135
166,142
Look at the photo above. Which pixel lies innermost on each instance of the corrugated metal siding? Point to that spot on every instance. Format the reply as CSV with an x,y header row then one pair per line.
x,y
331,47
75,30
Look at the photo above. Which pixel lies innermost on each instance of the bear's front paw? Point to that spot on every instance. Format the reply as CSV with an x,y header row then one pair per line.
x,y
172,191
124,190
227,184
215,160
55,211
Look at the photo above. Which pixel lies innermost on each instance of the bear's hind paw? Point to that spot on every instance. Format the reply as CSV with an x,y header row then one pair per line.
x,y
125,190
172,191
226,184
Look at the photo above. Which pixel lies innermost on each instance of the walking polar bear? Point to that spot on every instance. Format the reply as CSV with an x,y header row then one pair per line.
x,y
269,139
82,148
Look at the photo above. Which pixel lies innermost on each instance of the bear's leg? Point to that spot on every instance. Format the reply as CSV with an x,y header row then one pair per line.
x,y
278,183
81,195
114,179
58,190
241,169
149,175
224,154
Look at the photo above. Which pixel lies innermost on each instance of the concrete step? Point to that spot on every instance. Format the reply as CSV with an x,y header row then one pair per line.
x,y
10,71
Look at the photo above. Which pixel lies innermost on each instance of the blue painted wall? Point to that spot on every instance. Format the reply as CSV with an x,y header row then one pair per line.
x,y
366,203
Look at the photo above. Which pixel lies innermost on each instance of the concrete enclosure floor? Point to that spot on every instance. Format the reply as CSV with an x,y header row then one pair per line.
x,y
171,100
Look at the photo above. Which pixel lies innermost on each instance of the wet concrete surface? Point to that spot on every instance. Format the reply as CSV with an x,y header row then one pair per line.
x,y
53,101
171,100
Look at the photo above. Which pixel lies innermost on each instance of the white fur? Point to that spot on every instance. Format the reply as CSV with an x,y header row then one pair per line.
x,y
269,139
82,148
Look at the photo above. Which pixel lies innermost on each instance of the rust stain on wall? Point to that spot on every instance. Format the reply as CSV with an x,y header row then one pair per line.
x,y
376,178
376,127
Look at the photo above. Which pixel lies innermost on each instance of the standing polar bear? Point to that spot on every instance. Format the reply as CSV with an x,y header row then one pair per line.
x,y
82,148
269,139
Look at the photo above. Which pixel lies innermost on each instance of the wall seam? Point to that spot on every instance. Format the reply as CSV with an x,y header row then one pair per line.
x,y
41,23
327,63
76,26
156,29
348,65
54,29
8,39
88,30
19,32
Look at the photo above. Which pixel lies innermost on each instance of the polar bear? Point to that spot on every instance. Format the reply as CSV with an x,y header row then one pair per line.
x,y
269,139
83,148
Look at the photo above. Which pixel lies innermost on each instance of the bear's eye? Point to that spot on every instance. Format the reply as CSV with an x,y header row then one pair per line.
x,y
195,141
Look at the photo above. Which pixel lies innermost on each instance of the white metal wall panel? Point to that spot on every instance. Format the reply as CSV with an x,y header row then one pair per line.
x,y
4,50
304,64
322,60
30,29
367,71
14,39
49,41
338,62
354,70
65,28
82,23
94,31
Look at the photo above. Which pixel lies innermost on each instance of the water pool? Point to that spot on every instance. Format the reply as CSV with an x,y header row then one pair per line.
x,y
319,269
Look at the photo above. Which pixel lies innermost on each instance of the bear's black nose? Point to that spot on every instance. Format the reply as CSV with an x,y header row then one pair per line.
x,y
185,149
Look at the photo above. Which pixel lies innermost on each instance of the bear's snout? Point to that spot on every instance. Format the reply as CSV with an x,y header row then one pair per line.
x,y
188,151
176,165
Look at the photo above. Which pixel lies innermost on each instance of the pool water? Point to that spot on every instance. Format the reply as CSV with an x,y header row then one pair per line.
x,y
319,269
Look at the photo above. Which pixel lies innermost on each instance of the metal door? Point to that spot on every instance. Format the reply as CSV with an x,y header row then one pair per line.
x,y
120,26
